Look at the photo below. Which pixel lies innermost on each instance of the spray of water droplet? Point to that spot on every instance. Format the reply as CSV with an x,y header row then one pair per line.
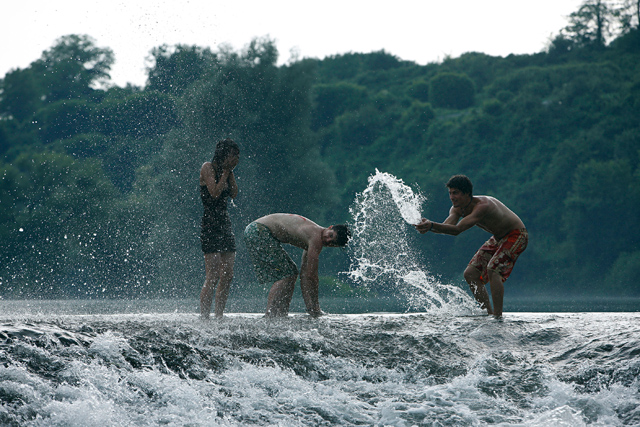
x,y
383,248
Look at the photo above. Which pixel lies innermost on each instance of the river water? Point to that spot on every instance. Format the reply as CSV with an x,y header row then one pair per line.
x,y
151,363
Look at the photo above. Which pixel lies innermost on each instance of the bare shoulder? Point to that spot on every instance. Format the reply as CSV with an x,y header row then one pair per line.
x,y
205,168
205,172
455,212
492,203
498,217
485,200
291,228
482,207
286,221
486,203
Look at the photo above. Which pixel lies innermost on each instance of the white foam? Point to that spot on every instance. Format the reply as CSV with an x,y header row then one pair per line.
x,y
383,255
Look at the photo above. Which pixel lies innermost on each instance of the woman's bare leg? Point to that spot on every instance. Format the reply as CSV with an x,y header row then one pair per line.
x,y
227,260
212,275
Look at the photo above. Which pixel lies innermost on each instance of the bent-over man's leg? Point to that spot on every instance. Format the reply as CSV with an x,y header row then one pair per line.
x,y
272,265
280,296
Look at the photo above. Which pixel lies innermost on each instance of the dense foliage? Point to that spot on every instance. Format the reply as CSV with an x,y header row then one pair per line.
x,y
98,184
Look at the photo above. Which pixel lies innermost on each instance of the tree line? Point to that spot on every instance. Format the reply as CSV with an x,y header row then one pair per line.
x,y
99,183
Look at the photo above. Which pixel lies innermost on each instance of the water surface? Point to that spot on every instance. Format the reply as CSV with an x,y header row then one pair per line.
x,y
145,365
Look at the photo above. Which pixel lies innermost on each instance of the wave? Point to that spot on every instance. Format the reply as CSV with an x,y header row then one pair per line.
x,y
365,369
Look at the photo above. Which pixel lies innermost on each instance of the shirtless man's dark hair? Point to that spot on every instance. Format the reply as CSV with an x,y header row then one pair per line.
x,y
462,183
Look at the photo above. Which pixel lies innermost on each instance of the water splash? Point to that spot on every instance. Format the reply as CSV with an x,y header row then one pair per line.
x,y
409,203
383,258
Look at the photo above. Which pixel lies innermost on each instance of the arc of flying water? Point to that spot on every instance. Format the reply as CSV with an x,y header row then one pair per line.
x,y
380,251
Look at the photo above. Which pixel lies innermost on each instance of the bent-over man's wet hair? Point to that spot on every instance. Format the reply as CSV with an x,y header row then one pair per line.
x,y
343,234
462,183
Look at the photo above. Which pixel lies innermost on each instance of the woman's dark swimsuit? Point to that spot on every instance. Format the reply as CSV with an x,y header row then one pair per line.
x,y
216,234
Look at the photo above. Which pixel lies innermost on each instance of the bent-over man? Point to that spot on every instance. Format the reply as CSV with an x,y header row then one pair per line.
x,y
273,265
494,261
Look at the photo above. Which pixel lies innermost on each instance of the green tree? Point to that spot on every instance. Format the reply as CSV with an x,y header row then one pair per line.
x,y
380,61
451,90
72,67
360,128
19,95
142,115
332,100
173,68
624,274
593,24
600,190
4,139
55,211
629,15
64,119
419,90
121,156
416,120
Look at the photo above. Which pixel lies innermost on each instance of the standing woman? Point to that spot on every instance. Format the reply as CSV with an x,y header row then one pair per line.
x,y
217,184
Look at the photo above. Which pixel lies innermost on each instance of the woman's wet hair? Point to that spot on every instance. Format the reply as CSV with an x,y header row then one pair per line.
x,y
224,148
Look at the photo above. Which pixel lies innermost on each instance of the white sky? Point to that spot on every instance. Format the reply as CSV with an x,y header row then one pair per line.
x,y
422,31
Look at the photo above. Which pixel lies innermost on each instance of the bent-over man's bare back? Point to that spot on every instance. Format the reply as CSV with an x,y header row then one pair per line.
x,y
293,229
273,265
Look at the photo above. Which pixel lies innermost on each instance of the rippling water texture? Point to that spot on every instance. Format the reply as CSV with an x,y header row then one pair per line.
x,y
367,369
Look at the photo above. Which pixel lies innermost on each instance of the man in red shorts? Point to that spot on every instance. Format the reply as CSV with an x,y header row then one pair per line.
x,y
495,259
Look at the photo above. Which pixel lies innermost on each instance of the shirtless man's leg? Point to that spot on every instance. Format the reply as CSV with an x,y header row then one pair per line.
x,y
473,278
497,292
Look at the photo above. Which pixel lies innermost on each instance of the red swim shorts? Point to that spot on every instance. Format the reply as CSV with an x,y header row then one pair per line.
x,y
500,255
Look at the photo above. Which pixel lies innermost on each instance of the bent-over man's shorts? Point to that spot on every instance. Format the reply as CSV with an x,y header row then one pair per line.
x,y
270,261
500,255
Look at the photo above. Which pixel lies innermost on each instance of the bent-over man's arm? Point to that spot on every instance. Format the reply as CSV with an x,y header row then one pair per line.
x,y
309,279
